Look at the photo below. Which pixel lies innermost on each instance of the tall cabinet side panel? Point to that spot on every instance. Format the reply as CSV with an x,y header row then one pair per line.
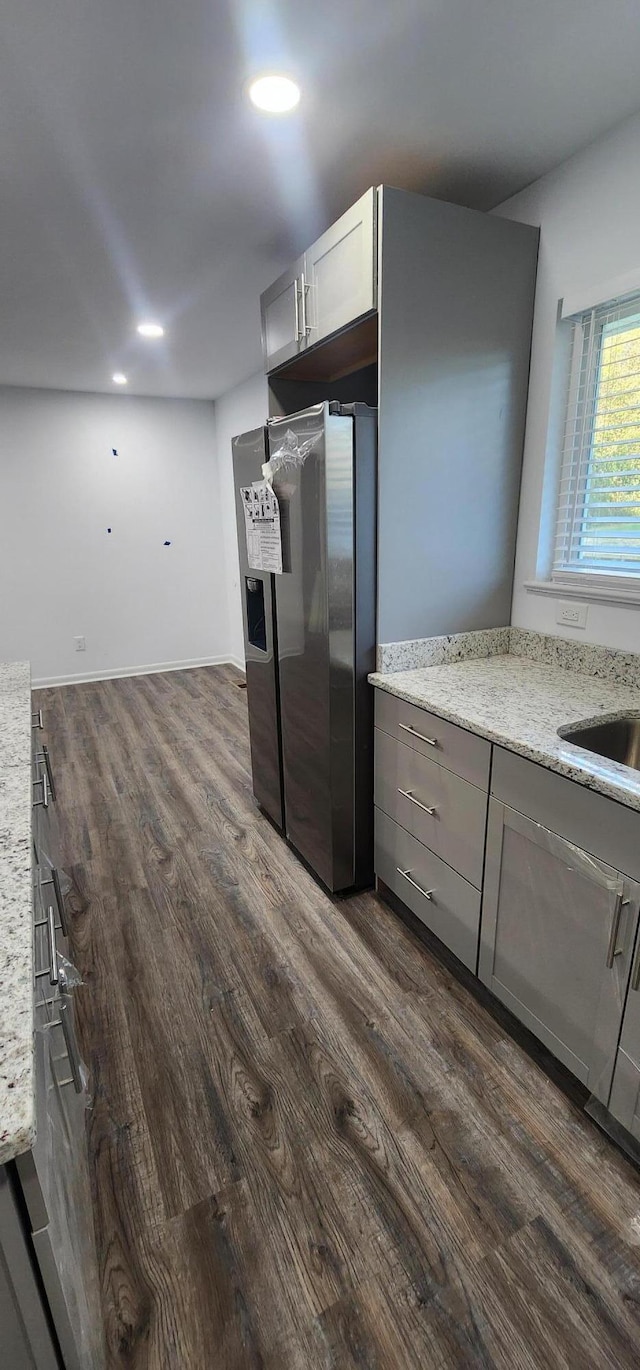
x,y
456,309
260,640
365,467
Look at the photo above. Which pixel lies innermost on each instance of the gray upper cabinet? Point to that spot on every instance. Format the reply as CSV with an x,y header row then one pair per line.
x,y
340,272
624,1103
558,927
283,334
331,286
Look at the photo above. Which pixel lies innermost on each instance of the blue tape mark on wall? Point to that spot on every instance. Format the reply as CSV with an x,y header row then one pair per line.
x,y
108,530
114,451
166,544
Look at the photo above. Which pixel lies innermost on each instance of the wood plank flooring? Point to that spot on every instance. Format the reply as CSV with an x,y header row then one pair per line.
x,y
311,1147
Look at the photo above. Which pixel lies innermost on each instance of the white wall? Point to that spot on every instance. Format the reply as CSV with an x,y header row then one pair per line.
x,y
243,408
589,213
138,603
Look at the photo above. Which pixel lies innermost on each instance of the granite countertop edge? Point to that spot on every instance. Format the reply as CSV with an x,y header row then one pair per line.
x,y
609,778
17,1044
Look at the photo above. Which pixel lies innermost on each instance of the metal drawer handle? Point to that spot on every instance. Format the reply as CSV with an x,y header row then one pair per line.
x,y
72,1052
57,889
406,875
635,974
36,720
408,795
44,756
45,792
431,741
52,970
612,950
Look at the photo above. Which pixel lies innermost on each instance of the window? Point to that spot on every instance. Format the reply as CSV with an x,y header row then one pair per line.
x,y
598,527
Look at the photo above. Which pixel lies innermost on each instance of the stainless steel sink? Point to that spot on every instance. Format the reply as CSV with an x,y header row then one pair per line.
x,y
616,738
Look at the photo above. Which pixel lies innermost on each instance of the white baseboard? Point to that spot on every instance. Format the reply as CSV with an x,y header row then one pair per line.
x,y
120,672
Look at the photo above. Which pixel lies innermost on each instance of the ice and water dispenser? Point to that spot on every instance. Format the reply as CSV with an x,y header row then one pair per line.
x,y
256,621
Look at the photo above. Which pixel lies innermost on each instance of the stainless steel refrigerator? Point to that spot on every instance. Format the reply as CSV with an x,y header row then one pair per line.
x,y
310,634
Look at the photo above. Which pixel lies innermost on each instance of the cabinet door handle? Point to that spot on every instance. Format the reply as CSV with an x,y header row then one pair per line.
x,y
635,974
612,950
306,327
296,305
431,741
406,875
411,797
57,889
44,802
72,1052
44,756
36,720
52,968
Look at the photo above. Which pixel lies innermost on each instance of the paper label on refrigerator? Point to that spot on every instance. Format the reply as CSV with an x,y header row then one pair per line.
x,y
262,527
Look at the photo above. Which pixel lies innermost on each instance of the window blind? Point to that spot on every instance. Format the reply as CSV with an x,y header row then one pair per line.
x,y
598,526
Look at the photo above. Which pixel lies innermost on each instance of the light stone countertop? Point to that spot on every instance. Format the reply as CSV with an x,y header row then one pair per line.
x,y
17,1115
520,704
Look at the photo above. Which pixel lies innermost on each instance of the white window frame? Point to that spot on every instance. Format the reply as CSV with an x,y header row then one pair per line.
x,y
572,581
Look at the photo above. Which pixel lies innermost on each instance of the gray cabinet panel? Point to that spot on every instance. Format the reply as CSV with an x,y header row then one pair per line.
x,y
339,281
446,903
624,1103
407,784
602,826
55,1181
557,934
452,747
25,1337
455,305
280,305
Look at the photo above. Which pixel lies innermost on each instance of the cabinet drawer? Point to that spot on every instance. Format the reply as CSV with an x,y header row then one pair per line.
x,y
408,784
599,825
452,910
452,747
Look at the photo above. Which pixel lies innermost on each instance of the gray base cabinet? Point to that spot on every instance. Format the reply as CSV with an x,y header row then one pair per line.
x,y
557,934
430,790
548,885
49,1283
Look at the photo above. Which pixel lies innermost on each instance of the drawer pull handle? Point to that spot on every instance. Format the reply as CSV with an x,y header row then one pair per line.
x,y
44,756
406,875
635,974
612,950
73,1057
431,741
52,969
57,889
37,721
425,807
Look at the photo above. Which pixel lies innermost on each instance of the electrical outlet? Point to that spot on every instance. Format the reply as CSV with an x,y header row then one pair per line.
x,y
571,612
80,644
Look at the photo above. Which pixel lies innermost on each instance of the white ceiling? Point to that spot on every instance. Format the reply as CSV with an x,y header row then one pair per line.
x,y
137,181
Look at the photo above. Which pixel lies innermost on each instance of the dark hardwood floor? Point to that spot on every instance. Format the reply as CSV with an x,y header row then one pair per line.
x,y
311,1146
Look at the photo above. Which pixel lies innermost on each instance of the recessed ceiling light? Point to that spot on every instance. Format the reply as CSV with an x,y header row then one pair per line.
x,y
151,330
275,94
119,378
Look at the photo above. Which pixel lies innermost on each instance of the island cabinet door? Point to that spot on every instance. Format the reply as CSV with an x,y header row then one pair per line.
x,y
624,1103
557,934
